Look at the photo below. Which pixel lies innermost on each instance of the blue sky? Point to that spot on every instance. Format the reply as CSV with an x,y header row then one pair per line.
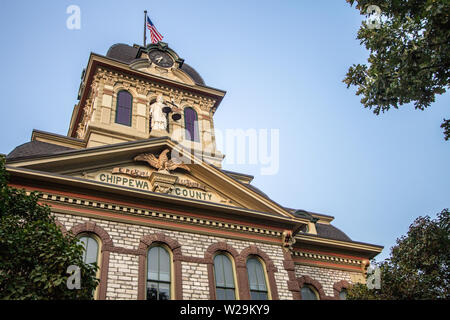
x,y
282,65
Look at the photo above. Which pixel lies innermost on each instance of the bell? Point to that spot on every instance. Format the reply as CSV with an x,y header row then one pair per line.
x,y
167,109
176,116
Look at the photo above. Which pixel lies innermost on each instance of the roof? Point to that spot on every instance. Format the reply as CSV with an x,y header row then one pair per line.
x,y
257,190
331,232
122,52
125,53
323,230
35,148
193,74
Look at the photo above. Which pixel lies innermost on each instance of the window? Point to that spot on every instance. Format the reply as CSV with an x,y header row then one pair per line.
x,y
223,273
158,274
191,124
256,279
124,107
90,245
91,254
308,293
343,294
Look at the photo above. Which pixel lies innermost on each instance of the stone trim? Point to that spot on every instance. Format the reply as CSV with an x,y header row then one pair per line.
x,y
175,247
165,216
108,92
209,260
106,243
292,283
327,258
61,227
314,283
150,85
338,286
241,266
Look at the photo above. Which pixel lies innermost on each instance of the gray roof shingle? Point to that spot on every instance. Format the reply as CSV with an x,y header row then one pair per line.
x,y
35,148
331,232
122,52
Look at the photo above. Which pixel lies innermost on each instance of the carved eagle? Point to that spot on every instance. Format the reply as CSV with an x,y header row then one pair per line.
x,y
162,163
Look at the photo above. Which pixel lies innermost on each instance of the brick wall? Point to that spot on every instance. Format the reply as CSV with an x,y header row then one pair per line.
x,y
122,277
195,281
123,268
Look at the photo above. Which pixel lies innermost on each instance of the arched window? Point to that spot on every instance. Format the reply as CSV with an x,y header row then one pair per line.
x,y
124,108
91,254
343,294
158,274
90,245
191,124
223,274
256,279
309,293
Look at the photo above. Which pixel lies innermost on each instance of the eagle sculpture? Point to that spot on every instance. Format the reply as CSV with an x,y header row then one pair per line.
x,y
162,163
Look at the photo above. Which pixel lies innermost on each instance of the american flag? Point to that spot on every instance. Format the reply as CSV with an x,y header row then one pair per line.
x,y
154,34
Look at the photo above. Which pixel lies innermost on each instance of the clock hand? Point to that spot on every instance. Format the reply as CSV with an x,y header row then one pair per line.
x,y
159,59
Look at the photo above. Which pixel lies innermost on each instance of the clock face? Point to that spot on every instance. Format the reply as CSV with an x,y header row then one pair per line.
x,y
161,59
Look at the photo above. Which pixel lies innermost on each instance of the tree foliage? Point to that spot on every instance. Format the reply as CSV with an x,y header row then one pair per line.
x,y
34,253
409,57
419,264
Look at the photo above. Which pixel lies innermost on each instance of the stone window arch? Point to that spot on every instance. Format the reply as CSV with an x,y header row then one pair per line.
x,y
257,279
174,248
314,284
105,243
268,267
221,248
338,287
61,227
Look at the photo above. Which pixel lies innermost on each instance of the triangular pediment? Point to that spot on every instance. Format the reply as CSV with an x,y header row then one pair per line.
x,y
143,177
116,165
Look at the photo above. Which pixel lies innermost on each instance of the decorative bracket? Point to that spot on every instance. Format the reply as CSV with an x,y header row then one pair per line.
x,y
288,240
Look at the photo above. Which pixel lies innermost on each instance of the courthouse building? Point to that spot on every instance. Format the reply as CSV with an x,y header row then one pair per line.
x,y
139,180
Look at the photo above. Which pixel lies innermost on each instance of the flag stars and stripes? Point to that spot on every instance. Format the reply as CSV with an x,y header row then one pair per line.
x,y
155,36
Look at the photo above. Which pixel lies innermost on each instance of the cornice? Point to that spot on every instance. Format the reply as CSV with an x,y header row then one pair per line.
x,y
207,90
95,151
369,249
38,135
328,265
328,258
96,61
147,195
160,215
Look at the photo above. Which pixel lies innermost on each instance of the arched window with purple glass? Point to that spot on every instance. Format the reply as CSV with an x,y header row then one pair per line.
x,y
191,124
124,107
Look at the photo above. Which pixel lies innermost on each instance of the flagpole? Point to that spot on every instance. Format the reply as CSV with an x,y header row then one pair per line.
x,y
145,27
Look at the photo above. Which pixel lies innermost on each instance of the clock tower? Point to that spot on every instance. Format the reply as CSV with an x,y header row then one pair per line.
x,y
136,93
